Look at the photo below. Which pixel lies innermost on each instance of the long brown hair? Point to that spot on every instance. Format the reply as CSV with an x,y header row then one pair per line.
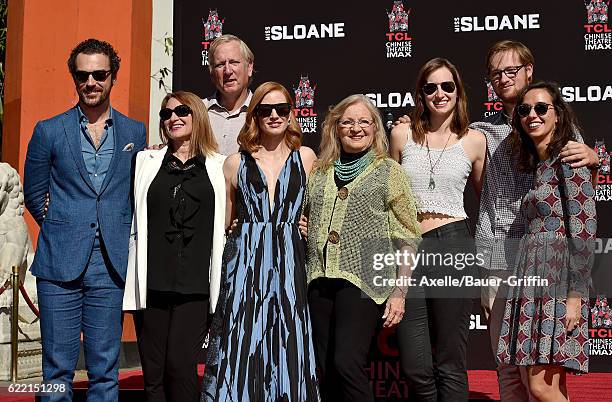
x,y
202,141
249,135
565,128
421,114
330,141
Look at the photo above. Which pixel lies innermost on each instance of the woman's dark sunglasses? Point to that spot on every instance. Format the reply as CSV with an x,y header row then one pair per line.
x,y
265,109
431,87
180,111
541,108
98,75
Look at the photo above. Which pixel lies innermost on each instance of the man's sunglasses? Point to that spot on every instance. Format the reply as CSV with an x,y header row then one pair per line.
x,y
431,87
180,111
541,108
265,109
98,75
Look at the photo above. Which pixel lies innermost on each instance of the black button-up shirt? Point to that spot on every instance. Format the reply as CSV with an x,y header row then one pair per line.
x,y
180,208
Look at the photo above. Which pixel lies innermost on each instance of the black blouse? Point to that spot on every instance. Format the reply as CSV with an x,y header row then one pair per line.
x,y
180,213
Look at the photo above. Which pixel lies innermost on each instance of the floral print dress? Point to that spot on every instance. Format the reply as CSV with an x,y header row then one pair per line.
x,y
554,258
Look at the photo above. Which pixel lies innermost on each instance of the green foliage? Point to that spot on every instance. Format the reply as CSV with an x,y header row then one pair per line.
x,y
163,74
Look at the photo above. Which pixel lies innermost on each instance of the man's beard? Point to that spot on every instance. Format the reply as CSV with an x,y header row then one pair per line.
x,y
102,97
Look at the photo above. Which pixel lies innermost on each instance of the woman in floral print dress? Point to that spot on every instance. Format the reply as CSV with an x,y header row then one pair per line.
x,y
545,324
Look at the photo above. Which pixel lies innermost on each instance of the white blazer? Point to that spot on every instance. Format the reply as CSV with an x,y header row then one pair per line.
x,y
148,164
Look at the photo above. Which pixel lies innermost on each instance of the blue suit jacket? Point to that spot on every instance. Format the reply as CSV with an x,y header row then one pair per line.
x,y
54,165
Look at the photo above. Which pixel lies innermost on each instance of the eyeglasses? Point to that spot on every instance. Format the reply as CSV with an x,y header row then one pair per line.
x,y
264,110
431,87
98,75
180,111
540,108
510,72
363,123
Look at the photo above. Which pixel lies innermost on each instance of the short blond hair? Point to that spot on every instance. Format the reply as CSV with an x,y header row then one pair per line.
x,y
522,51
227,38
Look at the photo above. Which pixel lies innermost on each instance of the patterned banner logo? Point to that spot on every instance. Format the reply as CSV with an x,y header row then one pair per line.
x,y
598,35
304,105
399,42
213,28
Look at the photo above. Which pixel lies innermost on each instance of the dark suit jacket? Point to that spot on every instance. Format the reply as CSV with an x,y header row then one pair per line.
x,y
54,165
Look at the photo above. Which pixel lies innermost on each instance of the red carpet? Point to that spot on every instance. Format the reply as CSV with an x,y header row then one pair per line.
x,y
594,387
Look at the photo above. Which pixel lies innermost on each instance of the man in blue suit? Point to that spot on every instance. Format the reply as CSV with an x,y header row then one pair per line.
x,y
77,185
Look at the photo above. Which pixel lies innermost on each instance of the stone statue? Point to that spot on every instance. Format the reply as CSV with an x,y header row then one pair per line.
x,y
16,250
14,240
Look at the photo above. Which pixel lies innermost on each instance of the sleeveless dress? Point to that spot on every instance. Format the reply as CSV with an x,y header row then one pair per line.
x,y
557,247
261,339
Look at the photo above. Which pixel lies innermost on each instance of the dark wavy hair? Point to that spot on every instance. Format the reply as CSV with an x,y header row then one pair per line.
x,y
565,130
421,114
95,46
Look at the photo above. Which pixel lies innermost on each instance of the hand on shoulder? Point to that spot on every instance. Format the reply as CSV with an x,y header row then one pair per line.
x,y
398,140
401,127
402,119
578,154
400,133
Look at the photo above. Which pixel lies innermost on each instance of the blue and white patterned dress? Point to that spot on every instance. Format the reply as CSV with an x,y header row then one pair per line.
x,y
261,339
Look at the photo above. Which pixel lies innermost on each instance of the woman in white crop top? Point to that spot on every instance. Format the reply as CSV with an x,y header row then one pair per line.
x,y
439,153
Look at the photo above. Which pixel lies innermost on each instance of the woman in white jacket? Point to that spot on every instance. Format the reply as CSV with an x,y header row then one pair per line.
x,y
176,246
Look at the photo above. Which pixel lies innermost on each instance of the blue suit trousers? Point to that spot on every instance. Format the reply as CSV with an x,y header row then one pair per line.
x,y
90,304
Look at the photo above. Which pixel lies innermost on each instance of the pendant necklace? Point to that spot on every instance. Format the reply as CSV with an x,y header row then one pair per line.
x,y
432,182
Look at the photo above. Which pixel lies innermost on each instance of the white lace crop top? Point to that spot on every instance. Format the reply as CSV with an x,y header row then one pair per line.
x,y
450,175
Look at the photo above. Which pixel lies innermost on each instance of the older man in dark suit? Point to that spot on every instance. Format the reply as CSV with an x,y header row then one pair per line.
x,y
77,185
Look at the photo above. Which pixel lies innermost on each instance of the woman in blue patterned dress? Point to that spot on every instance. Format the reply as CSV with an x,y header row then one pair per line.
x,y
261,338
545,324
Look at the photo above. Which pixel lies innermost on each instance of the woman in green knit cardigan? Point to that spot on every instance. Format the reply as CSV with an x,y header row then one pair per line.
x,y
362,228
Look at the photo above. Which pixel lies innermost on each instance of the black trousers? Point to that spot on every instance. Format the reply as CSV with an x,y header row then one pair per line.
x,y
343,323
433,335
170,334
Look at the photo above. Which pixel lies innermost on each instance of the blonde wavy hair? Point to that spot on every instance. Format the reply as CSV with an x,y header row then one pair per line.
x,y
249,136
329,150
202,141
